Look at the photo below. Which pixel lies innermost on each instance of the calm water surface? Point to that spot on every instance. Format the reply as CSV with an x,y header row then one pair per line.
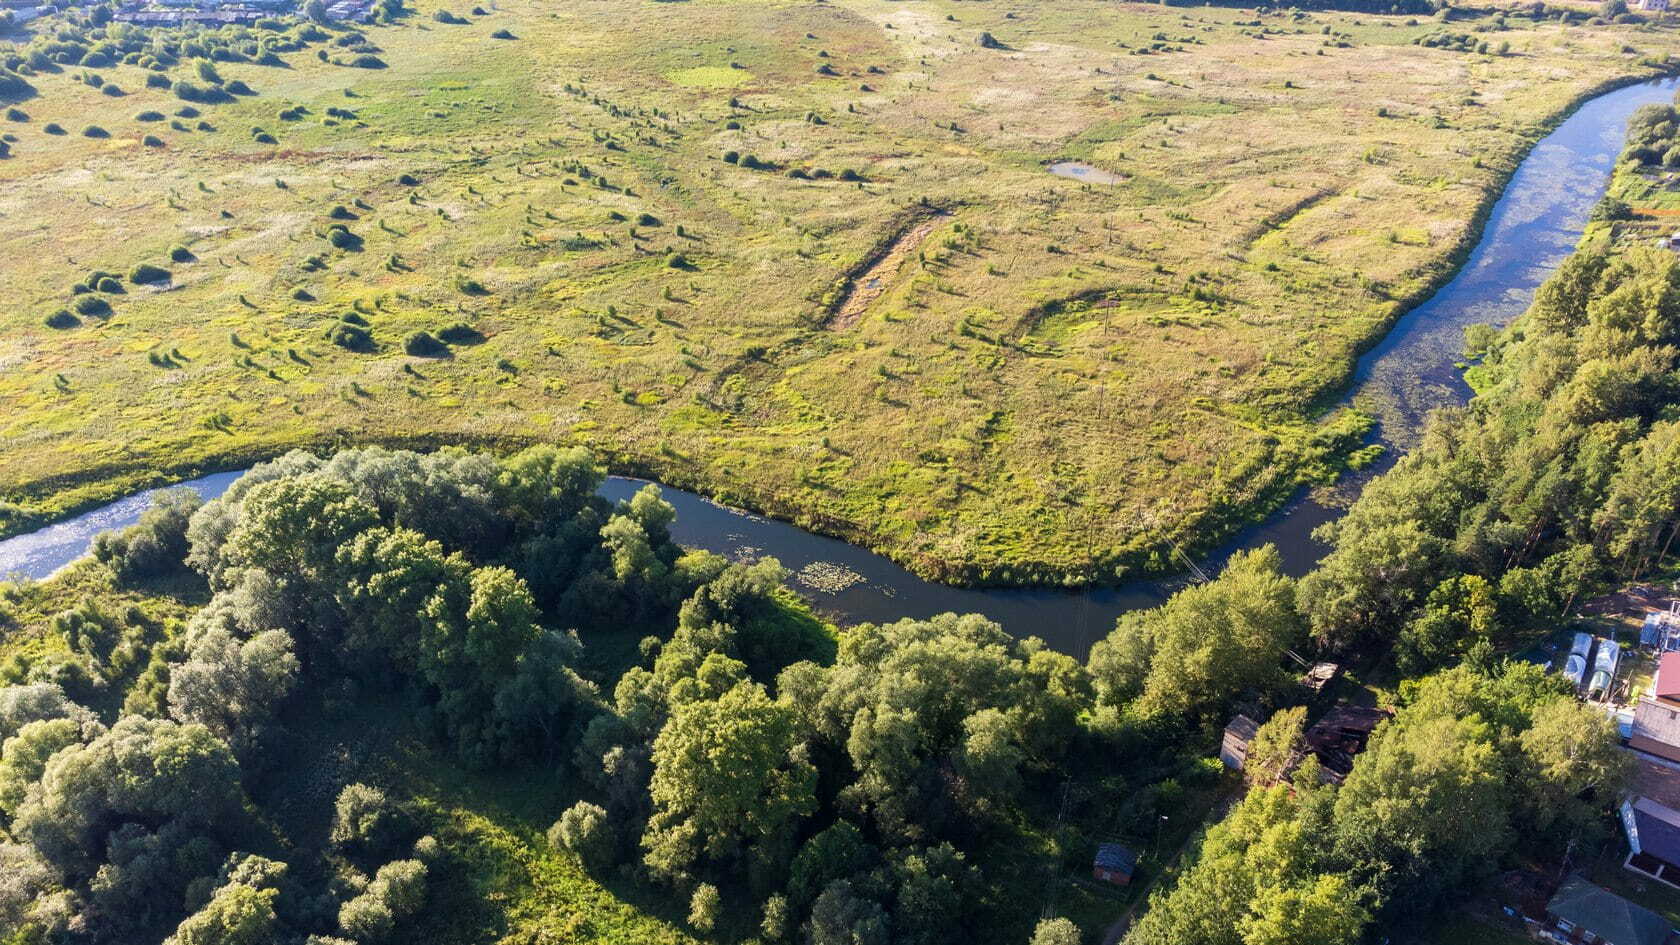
x,y
1531,229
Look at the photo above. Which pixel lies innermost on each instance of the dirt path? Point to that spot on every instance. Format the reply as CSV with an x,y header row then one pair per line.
x,y
871,283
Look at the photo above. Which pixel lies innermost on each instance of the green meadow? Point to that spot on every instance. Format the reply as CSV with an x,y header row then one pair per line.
x,y
803,257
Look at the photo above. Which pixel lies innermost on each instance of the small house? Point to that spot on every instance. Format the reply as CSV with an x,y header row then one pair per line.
x,y
1114,864
1653,835
1233,750
1582,912
1341,734
1656,729
1665,688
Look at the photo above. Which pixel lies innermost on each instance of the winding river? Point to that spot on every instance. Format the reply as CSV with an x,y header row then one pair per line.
x,y
1532,228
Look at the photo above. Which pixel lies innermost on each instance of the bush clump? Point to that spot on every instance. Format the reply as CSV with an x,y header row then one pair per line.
x,y
91,306
62,319
453,19
149,115
148,274
94,131
423,344
460,333
503,34
53,128
152,141
16,114
351,337
340,237
586,830
157,544
181,254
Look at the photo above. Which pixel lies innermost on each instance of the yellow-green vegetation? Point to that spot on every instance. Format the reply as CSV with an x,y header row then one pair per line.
x,y
648,215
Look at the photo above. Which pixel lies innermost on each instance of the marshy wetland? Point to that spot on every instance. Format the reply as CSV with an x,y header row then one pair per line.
x,y
638,234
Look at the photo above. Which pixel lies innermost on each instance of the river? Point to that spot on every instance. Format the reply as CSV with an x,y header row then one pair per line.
x,y
1532,227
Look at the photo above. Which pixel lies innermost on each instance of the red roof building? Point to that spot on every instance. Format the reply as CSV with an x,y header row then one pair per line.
x,y
1667,683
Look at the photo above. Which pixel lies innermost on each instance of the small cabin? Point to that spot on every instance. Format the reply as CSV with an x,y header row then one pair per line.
x,y
1114,864
1233,748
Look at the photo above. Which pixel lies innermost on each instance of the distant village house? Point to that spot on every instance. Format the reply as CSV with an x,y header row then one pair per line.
x,y
1114,864
1582,912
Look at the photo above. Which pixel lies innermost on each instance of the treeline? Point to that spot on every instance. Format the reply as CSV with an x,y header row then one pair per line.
x,y
774,779
1473,769
1562,475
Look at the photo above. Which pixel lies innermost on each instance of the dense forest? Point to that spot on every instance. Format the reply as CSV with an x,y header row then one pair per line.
x,y
743,759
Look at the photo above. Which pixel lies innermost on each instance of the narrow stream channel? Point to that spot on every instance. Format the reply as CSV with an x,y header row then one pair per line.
x,y
1532,228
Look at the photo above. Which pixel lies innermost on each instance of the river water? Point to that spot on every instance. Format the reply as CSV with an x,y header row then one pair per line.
x,y
1532,228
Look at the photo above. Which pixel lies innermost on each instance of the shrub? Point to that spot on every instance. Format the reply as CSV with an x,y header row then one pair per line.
x,y
469,286
351,337
109,285
647,219
205,95
16,114
62,319
157,544
732,126
703,907
365,821
149,116
186,111
113,89
503,34
237,87
460,333
94,131
147,274
53,128
157,80
152,141
409,180
13,86
422,344
263,137
368,61
444,16
340,237
302,295
586,830
341,212
181,254
91,306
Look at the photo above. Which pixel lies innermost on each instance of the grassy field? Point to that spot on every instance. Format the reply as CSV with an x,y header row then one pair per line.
x,y
1035,378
